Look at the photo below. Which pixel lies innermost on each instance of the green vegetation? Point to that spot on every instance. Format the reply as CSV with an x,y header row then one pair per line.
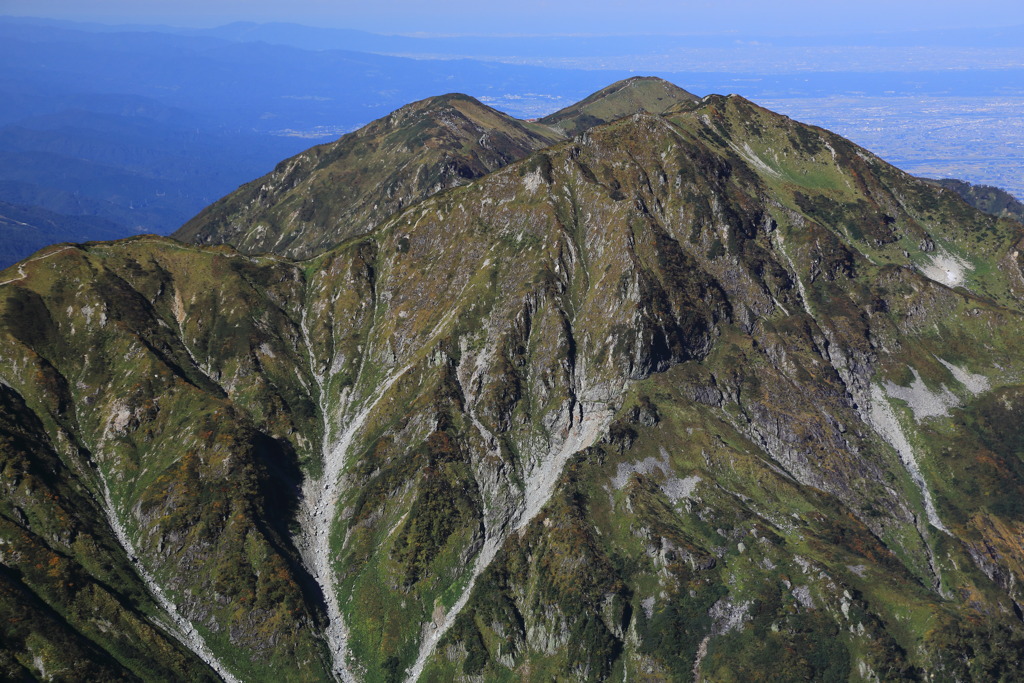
x,y
330,193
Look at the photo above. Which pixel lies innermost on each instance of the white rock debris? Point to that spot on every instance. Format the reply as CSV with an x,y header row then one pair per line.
x,y
802,594
751,157
725,617
884,421
674,488
976,384
320,495
946,268
317,510
585,429
533,181
925,403
181,629
921,400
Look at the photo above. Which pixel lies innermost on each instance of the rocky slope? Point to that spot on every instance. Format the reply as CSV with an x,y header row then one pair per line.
x,y
706,394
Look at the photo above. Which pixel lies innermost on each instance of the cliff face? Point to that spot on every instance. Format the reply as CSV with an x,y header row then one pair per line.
x,y
700,394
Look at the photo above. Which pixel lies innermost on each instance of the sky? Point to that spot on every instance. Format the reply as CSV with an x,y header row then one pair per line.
x,y
532,17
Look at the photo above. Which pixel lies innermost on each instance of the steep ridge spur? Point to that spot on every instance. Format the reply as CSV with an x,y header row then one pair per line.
x,y
689,394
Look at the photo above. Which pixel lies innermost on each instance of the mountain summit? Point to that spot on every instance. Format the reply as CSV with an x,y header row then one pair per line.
x,y
631,96
329,193
708,394
332,192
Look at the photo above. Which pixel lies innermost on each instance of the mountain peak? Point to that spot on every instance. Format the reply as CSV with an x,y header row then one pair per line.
x,y
446,100
332,192
622,98
327,194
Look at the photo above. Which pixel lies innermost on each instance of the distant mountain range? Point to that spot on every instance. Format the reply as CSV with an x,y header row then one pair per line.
x,y
550,46
697,392
26,229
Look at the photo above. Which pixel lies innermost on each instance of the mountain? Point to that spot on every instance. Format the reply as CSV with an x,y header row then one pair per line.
x,y
330,193
703,394
642,93
144,126
318,199
143,129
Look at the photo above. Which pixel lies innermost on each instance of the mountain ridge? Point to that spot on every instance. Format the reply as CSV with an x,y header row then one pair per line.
x,y
432,145
426,146
989,199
